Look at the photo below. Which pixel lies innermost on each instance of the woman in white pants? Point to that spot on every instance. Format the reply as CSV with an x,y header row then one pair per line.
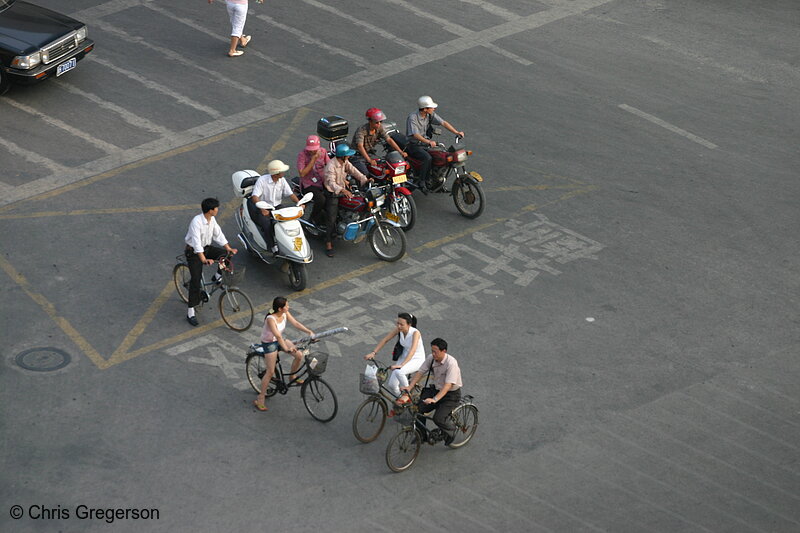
x,y
410,360
237,11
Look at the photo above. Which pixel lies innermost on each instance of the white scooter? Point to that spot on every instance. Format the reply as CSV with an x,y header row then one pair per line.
x,y
293,249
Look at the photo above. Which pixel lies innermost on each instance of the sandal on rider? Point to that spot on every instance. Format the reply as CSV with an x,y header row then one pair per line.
x,y
260,405
403,400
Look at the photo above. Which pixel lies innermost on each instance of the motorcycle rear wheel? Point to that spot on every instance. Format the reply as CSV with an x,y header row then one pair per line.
x,y
468,197
387,241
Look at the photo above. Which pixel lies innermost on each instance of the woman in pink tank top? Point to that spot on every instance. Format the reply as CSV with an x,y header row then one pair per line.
x,y
272,339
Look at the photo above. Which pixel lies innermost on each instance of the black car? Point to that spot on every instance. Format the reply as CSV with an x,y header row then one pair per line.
x,y
37,43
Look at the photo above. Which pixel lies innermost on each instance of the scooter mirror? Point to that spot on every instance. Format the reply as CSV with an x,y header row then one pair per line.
x,y
264,205
307,197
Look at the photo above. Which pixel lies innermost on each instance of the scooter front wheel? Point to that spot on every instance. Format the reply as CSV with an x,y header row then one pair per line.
x,y
388,242
297,276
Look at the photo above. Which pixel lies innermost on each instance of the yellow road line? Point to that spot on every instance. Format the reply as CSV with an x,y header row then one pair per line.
x,y
280,144
50,309
120,354
140,326
343,278
142,162
108,211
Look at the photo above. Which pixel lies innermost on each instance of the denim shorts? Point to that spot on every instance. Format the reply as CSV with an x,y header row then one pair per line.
x,y
270,347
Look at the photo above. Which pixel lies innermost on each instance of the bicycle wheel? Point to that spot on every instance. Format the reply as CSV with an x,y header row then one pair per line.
x,y
465,417
181,277
369,419
319,399
236,309
255,369
403,449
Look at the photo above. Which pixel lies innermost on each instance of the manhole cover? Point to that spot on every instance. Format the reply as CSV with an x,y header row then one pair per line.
x,y
43,359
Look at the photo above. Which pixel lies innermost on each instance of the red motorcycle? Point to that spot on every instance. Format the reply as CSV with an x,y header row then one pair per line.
x,y
391,173
446,161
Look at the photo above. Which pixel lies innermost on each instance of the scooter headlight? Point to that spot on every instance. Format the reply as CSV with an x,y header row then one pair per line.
x,y
293,232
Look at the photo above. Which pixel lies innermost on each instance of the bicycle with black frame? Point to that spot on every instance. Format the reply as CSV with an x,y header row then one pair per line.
x,y
403,448
318,396
371,415
234,306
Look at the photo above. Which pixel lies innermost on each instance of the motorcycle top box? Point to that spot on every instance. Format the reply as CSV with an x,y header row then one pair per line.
x,y
332,128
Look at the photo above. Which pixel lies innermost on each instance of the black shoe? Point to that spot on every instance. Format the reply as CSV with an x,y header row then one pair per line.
x,y
448,439
329,252
192,320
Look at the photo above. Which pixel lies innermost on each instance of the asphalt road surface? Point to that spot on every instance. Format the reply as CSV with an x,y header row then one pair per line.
x,y
625,312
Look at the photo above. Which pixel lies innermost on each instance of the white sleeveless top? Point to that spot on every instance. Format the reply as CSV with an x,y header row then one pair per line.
x,y
266,333
406,341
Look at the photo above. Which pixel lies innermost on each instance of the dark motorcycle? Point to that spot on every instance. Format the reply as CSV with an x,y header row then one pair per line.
x,y
363,216
390,170
466,189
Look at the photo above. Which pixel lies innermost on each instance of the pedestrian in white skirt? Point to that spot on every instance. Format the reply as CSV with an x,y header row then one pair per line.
x,y
237,11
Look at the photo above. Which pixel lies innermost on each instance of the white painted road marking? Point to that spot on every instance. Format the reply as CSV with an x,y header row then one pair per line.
x,y
667,125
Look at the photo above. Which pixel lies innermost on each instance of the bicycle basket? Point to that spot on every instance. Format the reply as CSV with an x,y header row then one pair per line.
x,y
317,362
368,384
404,415
232,279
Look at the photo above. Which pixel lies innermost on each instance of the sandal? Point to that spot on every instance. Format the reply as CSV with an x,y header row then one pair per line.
x,y
237,53
245,40
402,400
259,406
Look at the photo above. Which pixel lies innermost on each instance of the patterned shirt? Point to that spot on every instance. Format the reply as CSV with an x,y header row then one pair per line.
x,y
362,135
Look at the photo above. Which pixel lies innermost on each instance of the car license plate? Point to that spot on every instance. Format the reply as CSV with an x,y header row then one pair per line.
x,y
391,216
65,66
399,179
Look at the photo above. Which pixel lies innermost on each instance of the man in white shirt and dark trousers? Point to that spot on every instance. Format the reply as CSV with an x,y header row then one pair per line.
x,y
203,230
270,188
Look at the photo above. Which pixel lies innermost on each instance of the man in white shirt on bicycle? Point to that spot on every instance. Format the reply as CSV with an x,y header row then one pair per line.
x,y
203,230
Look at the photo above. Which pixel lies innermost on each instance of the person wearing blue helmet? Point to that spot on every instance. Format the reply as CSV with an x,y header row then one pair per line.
x,y
336,172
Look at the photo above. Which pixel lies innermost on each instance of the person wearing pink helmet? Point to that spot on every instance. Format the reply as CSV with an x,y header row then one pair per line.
x,y
311,163
366,138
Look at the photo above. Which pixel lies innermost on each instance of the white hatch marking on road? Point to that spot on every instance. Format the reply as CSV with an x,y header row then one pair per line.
x,y
183,59
157,87
457,29
131,118
667,125
291,68
493,9
33,157
308,97
100,144
368,26
303,37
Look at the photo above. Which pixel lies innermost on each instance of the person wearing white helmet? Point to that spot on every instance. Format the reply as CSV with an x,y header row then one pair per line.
x,y
419,129
272,187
